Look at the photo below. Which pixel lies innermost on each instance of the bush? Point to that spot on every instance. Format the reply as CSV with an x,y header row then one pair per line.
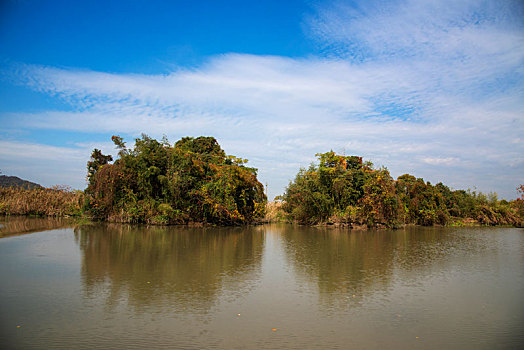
x,y
343,189
158,183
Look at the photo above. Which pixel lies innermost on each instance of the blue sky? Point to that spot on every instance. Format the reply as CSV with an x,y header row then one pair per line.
x,y
431,88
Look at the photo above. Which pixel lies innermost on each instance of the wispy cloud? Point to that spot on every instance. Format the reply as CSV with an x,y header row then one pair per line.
x,y
379,30
430,88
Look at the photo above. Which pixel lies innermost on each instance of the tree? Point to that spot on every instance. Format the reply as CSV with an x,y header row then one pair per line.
x,y
193,180
342,189
96,161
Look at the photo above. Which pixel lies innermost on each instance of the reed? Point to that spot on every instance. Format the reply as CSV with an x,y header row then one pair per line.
x,y
55,201
275,213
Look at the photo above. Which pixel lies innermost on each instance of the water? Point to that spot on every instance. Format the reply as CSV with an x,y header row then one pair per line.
x,y
265,287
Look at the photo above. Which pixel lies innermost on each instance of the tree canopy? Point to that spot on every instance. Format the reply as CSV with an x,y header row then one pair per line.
x,y
344,189
191,181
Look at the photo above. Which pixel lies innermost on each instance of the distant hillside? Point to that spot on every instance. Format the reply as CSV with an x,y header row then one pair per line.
x,y
13,181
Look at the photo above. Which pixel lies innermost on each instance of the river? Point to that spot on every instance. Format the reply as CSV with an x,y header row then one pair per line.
x,y
273,286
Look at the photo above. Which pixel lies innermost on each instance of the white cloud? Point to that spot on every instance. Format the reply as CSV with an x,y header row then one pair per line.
x,y
439,161
437,92
36,151
46,165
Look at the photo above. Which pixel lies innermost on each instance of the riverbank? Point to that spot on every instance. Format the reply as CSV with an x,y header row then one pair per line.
x,y
63,202
483,216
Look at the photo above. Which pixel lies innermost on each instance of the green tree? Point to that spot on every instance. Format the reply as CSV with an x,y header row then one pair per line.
x,y
193,180
96,161
342,189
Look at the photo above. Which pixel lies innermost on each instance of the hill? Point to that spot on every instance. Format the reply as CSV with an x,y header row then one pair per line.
x,y
14,181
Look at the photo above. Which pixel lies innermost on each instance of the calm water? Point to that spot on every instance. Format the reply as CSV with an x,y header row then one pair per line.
x,y
265,287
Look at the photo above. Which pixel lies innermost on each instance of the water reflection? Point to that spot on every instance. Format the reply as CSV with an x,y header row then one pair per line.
x,y
20,225
181,268
340,261
348,264
189,268
435,288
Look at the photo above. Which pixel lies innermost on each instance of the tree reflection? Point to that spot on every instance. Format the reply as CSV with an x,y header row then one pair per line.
x,y
349,264
177,267
339,260
185,268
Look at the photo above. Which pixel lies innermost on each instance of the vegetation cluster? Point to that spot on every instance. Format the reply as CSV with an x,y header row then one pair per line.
x,y
191,181
345,190
194,181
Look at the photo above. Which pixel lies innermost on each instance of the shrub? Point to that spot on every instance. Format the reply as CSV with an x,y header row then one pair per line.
x,y
155,182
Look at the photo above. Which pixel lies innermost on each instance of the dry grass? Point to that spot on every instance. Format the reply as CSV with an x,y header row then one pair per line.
x,y
56,201
274,212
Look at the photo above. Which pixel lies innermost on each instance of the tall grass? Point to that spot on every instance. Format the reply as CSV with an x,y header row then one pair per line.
x,y
275,213
56,201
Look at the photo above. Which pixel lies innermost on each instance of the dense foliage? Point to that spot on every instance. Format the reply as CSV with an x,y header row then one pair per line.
x,y
191,181
343,189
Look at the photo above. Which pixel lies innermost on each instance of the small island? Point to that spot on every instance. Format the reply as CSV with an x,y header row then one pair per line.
x,y
193,181
345,191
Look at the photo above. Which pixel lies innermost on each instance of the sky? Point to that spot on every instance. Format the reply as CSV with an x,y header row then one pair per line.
x,y
432,88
